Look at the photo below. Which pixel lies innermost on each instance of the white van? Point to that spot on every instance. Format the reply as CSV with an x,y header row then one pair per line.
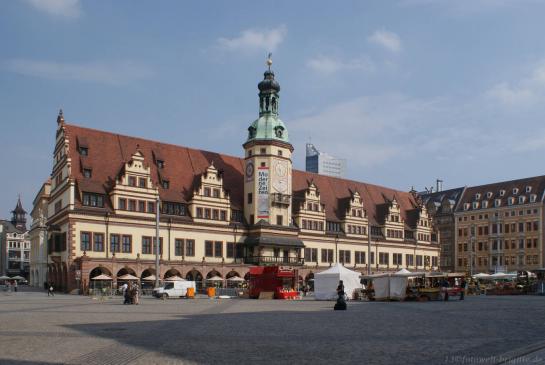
x,y
173,289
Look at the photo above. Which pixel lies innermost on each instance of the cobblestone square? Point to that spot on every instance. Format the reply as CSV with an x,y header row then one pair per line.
x,y
81,330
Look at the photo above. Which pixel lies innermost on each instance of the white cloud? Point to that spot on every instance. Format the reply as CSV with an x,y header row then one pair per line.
x,y
115,73
388,40
66,8
524,92
330,65
255,40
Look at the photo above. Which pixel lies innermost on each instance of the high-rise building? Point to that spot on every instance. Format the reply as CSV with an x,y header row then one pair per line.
x,y
324,164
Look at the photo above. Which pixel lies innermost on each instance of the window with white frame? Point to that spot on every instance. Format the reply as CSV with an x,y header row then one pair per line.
x,y
502,192
528,189
515,191
533,198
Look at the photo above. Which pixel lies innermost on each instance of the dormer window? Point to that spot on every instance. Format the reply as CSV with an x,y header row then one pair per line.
x,y
485,204
522,199
87,173
511,201
502,192
528,189
515,191
161,164
467,206
166,184
489,195
84,151
477,196
475,205
533,198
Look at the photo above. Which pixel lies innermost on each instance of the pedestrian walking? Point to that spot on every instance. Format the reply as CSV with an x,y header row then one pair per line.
x,y
50,290
124,291
463,287
15,286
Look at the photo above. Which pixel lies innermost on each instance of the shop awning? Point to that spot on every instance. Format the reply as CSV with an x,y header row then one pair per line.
x,y
274,241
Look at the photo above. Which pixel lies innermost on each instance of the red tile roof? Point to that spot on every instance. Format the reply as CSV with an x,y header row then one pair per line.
x,y
108,152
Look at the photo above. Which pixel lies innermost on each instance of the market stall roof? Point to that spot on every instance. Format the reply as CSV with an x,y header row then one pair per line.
x,y
3,277
503,275
235,278
101,277
215,278
174,278
17,278
456,274
149,278
127,277
481,275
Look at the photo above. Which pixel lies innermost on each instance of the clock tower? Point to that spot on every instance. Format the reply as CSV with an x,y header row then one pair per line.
x,y
267,163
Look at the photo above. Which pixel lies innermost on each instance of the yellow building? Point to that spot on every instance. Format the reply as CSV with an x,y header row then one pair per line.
x,y
219,214
499,227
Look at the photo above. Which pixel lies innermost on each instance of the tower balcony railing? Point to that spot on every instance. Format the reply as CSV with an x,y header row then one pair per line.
x,y
267,260
280,199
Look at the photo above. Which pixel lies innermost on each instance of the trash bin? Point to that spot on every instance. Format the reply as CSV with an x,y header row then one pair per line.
x,y
190,293
211,292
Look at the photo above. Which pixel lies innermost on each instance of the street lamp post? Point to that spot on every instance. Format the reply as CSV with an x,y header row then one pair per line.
x,y
336,250
157,241
368,247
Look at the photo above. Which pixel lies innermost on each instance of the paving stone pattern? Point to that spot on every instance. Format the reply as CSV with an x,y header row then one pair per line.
x,y
36,329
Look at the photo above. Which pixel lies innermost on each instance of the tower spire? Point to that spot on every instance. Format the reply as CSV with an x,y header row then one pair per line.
x,y
60,117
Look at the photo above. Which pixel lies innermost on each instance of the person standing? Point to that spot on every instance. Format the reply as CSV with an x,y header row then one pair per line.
x,y
50,290
15,286
136,294
341,303
463,287
124,291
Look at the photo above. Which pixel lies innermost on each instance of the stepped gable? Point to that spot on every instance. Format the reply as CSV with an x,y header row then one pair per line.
x,y
536,184
108,153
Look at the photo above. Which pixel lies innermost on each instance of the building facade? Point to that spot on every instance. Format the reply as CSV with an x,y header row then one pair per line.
x,y
38,237
441,206
499,227
219,214
15,244
322,163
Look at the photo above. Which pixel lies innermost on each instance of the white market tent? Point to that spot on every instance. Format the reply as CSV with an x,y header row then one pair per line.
x,y
392,286
17,278
481,275
174,278
149,278
3,277
502,275
236,278
326,282
214,278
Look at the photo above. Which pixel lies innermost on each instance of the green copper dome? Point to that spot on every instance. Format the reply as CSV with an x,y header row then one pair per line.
x,y
268,127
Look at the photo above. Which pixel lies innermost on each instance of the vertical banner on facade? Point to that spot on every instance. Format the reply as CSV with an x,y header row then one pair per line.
x,y
263,193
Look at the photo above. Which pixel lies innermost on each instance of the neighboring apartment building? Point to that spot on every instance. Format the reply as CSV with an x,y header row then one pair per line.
x,y
219,214
38,237
441,206
15,244
499,227
323,164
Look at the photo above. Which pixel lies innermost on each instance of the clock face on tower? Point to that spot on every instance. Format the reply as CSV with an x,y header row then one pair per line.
x,y
280,179
249,170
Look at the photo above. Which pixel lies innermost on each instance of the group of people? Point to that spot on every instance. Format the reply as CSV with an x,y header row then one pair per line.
x,y
11,285
131,293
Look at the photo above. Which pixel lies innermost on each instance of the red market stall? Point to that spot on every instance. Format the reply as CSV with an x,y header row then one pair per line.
x,y
279,280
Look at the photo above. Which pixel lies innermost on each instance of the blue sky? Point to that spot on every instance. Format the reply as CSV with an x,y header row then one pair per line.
x,y
407,91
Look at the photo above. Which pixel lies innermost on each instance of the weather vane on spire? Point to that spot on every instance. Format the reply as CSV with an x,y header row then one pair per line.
x,y
269,60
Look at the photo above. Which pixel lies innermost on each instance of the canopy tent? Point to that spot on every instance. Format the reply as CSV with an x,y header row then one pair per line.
x,y
481,275
236,278
101,277
392,286
174,278
127,277
3,277
326,282
149,278
214,278
503,275
17,278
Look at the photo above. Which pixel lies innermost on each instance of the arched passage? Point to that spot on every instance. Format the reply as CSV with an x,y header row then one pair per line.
x,y
126,271
196,276
232,274
171,273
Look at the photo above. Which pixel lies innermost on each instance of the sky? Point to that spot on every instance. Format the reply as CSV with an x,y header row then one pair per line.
x,y
406,90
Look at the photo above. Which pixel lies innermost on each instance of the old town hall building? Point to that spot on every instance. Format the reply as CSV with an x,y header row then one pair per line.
x,y
219,214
